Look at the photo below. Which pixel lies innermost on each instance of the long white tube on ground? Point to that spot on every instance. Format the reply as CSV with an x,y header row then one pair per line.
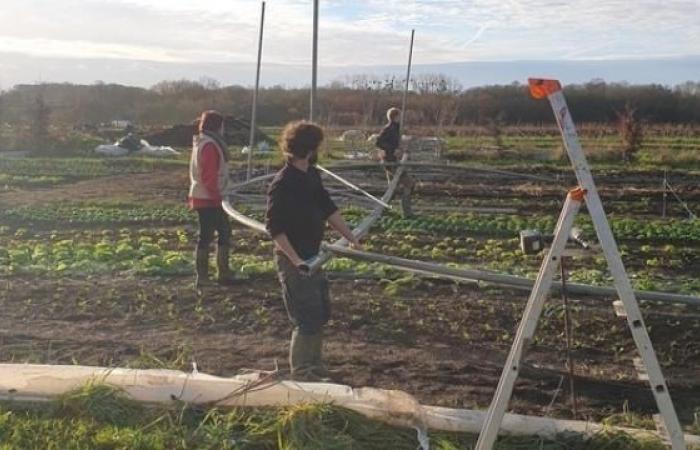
x,y
33,382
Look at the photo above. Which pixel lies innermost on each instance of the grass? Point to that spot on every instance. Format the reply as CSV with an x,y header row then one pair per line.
x,y
97,416
101,402
40,172
627,418
674,152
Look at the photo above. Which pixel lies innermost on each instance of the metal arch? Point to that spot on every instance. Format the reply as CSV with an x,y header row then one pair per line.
x,y
432,269
360,231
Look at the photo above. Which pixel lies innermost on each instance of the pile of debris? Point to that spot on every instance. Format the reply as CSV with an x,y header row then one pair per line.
x,y
237,132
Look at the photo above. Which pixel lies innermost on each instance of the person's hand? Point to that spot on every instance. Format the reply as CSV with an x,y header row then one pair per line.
x,y
355,244
304,268
382,155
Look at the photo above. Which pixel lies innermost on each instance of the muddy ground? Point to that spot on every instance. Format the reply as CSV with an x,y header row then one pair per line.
x,y
442,342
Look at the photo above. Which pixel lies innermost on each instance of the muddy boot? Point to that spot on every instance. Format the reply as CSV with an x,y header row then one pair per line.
x,y
303,355
224,275
406,208
201,265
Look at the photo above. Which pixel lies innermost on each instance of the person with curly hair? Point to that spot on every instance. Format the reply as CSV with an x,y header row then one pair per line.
x,y
298,208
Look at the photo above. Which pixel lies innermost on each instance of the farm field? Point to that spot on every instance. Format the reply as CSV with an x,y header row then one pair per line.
x,y
96,264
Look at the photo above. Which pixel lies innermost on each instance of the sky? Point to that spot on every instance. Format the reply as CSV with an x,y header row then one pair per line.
x,y
137,41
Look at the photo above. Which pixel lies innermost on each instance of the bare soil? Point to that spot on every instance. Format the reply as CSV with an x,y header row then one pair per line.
x,y
442,342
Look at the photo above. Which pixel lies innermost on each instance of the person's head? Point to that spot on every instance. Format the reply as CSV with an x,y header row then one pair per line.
x,y
211,121
393,114
300,140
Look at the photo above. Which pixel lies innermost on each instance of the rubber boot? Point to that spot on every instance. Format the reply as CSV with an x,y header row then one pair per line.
x,y
201,265
407,187
318,368
224,275
304,355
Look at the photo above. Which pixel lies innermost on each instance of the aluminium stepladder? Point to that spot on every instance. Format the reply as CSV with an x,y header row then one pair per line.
x,y
586,191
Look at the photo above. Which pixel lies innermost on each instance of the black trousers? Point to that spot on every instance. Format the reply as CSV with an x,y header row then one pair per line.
x,y
213,220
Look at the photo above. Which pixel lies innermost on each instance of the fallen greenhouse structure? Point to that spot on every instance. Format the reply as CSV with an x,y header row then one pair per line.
x,y
42,383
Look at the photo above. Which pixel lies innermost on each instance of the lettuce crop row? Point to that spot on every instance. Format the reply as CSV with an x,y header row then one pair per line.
x,y
100,214
504,225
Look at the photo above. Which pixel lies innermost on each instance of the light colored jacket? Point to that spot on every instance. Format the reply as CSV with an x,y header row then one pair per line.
x,y
198,189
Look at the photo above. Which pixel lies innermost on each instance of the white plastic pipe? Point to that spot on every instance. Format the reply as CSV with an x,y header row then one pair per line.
x,y
35,382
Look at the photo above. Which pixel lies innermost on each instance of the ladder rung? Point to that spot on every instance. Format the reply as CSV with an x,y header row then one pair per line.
x,y
620,309
640,368
661,428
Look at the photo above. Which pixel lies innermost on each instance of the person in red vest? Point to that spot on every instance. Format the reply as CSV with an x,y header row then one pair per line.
x,y
209,179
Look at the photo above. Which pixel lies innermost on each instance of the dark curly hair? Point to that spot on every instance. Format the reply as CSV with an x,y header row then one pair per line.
x,y
300,138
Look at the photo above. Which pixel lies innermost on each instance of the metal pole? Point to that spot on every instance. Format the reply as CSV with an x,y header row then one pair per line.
x,y
352,186
314,65
408,79
663,209
254,113
568,331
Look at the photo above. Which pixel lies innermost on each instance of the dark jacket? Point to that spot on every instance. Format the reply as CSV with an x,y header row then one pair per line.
x,y
389,140
298,205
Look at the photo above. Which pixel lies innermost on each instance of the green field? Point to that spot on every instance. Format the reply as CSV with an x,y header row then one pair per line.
x,y
120,260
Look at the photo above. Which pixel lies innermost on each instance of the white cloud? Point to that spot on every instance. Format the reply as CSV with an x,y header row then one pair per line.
x,y
84,49
353,32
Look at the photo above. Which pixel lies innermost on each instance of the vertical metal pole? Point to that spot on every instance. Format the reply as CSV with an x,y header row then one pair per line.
x,y
314,65
408,79
254,113
663,208
568,331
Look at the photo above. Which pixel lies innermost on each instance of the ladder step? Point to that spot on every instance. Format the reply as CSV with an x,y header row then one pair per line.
x,y
640,368
620,309
661,429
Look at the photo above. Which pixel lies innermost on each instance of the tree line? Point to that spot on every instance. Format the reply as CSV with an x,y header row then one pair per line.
x,y
358,100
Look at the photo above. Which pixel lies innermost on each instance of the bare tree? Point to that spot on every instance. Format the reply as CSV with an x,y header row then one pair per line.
x,y
40,121
369,87
440,98
631,132
495,129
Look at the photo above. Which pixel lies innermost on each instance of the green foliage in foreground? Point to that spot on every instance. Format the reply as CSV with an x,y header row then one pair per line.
x,y
100,417
102,213
168,252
